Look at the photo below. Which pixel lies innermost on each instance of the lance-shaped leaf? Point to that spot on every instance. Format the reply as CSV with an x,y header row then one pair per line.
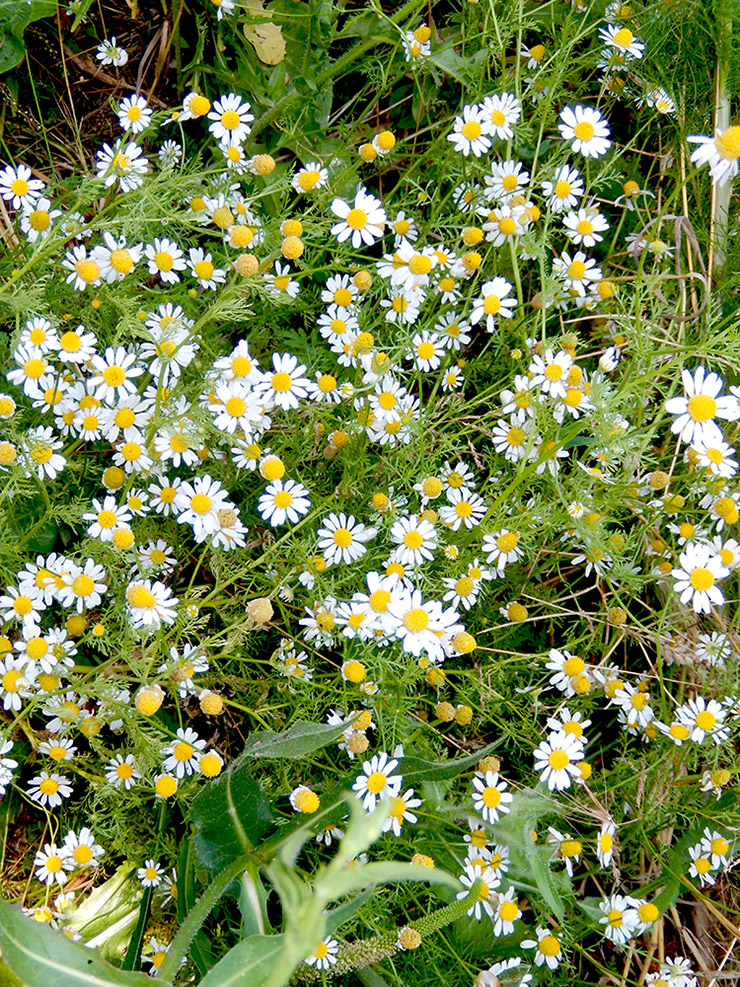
x,y
300,739
248,964
42,957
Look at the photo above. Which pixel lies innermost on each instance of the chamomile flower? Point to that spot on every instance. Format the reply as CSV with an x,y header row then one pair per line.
x,y
401,813
716,456
565,189
184,753
341,538
150,604
110,53
420,625
586,129
49,789
696,579
311,177
81,850
204,270
150,875
701,403
287,385
165,259
471,132
52,864
619,918
623,40
506,913
502,548
547,946
557,759
493,303
363,222
134,114
377,781
283,501
37,219
463,508
585,226
18,187
605,843
720,152
501,113
577,272
122,163
121,771
489,879
325,955
230,119
416,540
490,796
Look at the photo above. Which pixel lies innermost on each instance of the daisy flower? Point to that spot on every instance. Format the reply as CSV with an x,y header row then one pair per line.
x,y
134,114
470,132
84,270
325,955
501,113
18,187
309,178
183,753
695,581
623,40
150,874
586,129
377,781
401,812
416,540
502,548
701,865
283,501
110,53
204,270
506,180
52,864
547,946
198,504
550,372
362,223
569,850
716,846
619,918
341,538
120,771
489,879
493,303
49,789
704,718
720,152
85,587
287,385
699,406
564,190
230,119
557,759
716,456
490,797
40,454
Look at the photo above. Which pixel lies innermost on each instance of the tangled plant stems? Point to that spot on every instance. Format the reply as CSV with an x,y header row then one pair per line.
x,y
425,452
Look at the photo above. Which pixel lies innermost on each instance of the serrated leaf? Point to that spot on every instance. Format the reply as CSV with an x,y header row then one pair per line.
x,y
229,817
248,964
42,957
300,739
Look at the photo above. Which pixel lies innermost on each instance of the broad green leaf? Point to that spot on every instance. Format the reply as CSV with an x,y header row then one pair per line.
x,y
418,769
298,740
265,37
15,16
248,964
362,876
252,903
229,817
539,864
42,957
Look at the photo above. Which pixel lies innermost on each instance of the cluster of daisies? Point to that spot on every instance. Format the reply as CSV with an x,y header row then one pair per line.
x,y
162,441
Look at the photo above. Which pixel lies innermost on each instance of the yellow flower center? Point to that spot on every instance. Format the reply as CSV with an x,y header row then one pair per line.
x,y
549,946
491,796
558,760
508,542
420,264
39,220
576,270
702,407
728,143
376,782
507,226
140,598
203,270
701,579
706,720
416,620
282,382
88,270
83,585
230,119
182,751
357,219
584,130
471,130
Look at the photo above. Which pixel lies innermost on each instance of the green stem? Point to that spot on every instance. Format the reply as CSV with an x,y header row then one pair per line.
x,y
197,916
